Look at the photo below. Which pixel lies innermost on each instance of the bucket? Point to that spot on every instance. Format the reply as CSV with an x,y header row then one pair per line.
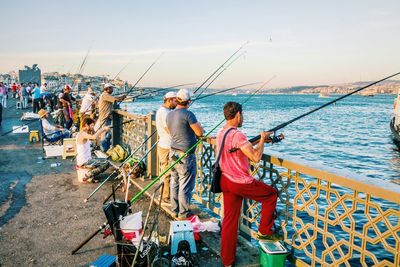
x,y
81,172
272,254
131,226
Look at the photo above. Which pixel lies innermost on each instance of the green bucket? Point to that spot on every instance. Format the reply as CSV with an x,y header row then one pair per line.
x,y
272,254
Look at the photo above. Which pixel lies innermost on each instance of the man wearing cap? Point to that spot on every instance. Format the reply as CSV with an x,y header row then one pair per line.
x,y
65,100
88,105
54,132
106,103
164,141
184,130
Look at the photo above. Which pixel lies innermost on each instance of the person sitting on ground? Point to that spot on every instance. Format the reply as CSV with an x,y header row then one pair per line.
x,y
237,182
53,132
84,154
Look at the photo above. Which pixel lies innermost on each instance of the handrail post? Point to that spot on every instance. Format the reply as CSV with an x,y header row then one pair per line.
x,y
151,157
116,130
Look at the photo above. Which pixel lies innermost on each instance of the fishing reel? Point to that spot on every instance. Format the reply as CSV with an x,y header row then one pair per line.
x,y
275,139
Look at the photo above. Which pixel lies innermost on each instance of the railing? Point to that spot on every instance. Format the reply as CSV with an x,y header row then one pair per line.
x,y
133,134
328,217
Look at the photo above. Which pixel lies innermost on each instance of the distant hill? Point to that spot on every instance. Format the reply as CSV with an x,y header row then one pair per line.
x,y
386,87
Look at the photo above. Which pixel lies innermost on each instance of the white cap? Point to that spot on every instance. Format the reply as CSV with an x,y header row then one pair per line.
x,y
183,95
108,85
169,95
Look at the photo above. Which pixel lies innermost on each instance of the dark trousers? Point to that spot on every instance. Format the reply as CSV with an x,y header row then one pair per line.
x,y
36,105
1,113
233,194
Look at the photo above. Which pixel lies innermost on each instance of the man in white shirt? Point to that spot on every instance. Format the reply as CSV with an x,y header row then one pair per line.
x,y
88,106
53,132
164,142
43,88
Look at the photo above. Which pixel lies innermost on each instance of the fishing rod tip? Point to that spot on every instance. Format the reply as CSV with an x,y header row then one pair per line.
x,y
85,200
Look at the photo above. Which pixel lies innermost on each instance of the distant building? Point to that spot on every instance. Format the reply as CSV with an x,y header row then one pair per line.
x,y
53,82
30,75
64,79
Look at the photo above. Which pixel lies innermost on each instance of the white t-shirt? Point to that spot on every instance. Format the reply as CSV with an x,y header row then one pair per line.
x,y
86,106
161,123
43,89
83,154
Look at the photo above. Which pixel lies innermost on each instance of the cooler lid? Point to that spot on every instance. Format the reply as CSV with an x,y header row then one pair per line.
x,y
273,247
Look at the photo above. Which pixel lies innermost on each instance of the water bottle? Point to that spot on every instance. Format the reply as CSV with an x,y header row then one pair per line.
x,y
55,164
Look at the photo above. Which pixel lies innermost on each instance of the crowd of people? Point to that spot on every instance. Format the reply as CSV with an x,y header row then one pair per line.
x,y
178,130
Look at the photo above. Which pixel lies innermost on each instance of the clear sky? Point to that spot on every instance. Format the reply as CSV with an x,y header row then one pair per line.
x,y
302,42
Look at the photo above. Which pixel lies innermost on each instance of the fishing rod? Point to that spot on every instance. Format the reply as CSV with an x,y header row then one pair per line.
x,y
282,125
189,150
160,89
141,77
222,71
209,77
32,121
83,65
122,70
122,164
223,91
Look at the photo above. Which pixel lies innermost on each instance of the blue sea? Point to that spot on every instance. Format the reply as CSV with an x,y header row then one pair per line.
x,y
352,135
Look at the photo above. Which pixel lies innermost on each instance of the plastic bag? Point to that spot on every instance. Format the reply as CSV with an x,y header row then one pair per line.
x,y
199,226
131,226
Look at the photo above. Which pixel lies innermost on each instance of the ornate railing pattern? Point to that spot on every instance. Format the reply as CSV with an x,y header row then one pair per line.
x,y
327,218
133,133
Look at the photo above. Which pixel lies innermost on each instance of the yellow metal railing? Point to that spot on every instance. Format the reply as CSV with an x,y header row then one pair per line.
x,y
327,217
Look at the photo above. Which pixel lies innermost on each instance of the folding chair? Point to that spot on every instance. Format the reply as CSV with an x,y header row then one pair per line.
x,y
49,141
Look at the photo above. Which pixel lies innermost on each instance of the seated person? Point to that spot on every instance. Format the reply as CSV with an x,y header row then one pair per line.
x,y
84,153
54,132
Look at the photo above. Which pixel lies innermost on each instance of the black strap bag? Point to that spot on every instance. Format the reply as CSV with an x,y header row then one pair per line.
x,y
216,172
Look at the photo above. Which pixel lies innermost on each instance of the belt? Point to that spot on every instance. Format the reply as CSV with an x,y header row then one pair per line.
x,y
180,150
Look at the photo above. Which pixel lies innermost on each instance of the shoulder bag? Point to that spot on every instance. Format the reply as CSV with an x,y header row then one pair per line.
x,y
216,172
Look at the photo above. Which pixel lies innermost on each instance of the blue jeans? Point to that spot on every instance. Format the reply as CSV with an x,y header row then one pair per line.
x,y
105,142
60,135
183,176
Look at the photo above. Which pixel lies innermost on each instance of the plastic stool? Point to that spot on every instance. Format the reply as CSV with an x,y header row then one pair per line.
x,y
34,136
18,105
69,147
181,230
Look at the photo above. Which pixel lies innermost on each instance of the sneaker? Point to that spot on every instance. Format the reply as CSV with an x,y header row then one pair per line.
x,y
271,237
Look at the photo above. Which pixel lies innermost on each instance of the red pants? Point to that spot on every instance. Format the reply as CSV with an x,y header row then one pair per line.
x,y
233,198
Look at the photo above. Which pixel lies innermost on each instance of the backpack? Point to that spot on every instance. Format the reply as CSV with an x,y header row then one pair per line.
x,y
117,153
183,257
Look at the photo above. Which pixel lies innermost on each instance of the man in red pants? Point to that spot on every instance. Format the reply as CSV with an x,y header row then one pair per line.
x,y
237,183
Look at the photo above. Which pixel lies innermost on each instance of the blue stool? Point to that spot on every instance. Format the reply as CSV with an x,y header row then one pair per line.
x,y
178,231
104,261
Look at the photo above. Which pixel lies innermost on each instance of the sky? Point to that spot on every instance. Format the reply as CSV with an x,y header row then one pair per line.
x,y
301,42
